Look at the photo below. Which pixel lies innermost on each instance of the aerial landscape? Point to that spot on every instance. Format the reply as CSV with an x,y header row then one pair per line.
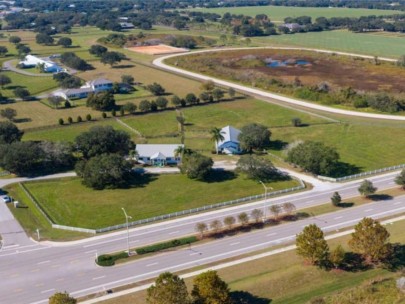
x,y
202,152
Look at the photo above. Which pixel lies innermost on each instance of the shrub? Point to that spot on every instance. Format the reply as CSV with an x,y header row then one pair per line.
x,y
296,122
70,120
88,117
61,122
104,115
67,104
113,113
79,119
109,259
166,245
122,112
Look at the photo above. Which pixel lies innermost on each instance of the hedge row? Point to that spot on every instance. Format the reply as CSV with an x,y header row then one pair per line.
x,y
166,245
109,259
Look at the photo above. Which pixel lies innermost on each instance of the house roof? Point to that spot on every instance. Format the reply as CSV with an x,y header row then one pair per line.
x,y
230,134
157,151
99,81
77,91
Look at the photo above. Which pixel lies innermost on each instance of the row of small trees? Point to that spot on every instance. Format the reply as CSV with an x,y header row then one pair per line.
x,y
244,219
78,119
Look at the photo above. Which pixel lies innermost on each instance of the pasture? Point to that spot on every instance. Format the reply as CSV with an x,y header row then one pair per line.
x,y
278,13
70,203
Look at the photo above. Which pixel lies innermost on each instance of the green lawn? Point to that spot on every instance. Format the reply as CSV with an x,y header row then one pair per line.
x,y
69,132
35,85
278,13
70,203
342,40
359,142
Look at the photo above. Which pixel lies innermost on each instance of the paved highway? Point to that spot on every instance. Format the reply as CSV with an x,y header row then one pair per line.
x,y
32,272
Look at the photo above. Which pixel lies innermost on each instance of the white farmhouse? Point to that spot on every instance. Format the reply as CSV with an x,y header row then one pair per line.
x,y
230,144
158,155
93,86
49,66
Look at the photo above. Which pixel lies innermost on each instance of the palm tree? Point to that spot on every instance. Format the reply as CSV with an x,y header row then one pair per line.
x,y
181,151
216,136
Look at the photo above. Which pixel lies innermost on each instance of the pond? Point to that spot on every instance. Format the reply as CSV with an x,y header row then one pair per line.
x,y
289,62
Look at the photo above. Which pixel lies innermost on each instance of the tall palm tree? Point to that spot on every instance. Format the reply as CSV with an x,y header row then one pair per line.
x,y
216,136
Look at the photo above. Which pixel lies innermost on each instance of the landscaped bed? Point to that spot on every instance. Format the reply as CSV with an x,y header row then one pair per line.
x,y
70,203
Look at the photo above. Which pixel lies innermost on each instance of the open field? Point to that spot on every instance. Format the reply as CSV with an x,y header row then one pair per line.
x,y
278,13
359,143
284,279
34,114
341,40
157,49
35,85
68,202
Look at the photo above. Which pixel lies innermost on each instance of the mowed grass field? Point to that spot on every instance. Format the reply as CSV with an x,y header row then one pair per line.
x,y
35,85
278,13
363,143
70,203
374,44
284,279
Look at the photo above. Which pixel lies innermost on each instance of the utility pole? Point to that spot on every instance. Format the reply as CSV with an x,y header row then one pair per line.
x,y
127,218
265,199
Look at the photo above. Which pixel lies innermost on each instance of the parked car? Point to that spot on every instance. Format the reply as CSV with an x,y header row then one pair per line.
x,y
5,199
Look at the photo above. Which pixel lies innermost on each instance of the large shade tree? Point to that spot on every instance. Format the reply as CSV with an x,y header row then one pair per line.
x,y
209,288
254,136
9,133
370,240
168,289
258,168
312,246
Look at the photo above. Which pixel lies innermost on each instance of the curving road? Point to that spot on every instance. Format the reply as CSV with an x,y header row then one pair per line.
x,y
159,62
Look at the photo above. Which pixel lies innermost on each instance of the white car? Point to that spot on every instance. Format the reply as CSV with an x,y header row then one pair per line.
x,y
5,198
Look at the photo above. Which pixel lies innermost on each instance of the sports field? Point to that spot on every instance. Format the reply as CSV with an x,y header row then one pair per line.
x,y
278,13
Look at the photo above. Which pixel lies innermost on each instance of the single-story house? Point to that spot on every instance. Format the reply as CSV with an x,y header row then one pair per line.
x,y
292,26
49,66
94,86
158,155
230,144
126,25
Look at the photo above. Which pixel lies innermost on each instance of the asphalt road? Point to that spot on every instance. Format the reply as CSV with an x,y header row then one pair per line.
x,y
32,272
159,62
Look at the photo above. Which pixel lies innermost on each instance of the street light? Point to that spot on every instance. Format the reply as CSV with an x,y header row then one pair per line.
x,y
127,218
265,199
39,238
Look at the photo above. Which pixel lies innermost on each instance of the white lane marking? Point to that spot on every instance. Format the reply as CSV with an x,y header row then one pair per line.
x,y
44,262
338,217
18,252
174,232
368,210
270,234
48,290
397,203
10,246
153,264
194,253
136,241
98,278
233,244
90,251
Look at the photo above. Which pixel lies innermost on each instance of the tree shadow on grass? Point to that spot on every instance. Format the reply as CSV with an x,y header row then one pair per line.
x,y
139,180
345,169
277,145
397,259
219,175
21,120
123,66
354,262
380,197
346,205
244,297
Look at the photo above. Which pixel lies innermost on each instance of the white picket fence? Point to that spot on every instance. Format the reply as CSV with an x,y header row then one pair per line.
x,y
359,175
160,217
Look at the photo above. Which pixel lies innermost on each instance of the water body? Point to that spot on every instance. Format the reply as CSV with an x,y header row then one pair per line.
x,y
279,63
